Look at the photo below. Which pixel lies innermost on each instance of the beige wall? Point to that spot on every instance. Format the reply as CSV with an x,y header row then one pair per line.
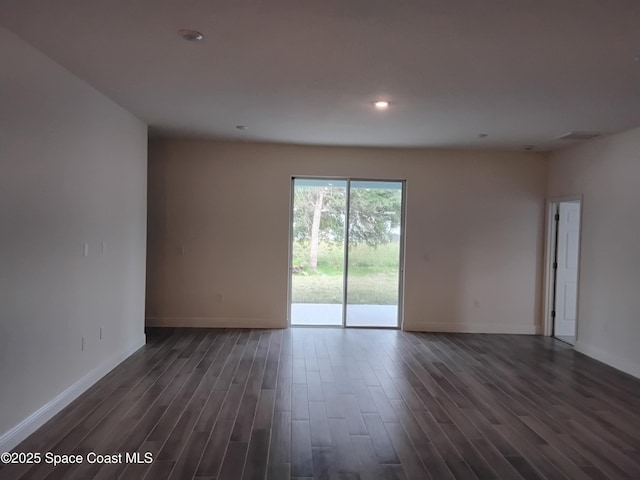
x,y
607,173
72,171
219,226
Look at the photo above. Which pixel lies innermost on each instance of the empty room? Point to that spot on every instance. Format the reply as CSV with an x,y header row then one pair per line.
x,y
337,239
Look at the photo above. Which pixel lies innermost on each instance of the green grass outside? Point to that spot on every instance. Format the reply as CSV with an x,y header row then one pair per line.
x,y
373,274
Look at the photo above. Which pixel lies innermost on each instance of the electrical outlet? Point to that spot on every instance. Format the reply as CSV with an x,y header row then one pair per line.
x,y
85,250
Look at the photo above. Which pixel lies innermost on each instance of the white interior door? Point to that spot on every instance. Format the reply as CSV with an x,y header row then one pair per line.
x,y
567,271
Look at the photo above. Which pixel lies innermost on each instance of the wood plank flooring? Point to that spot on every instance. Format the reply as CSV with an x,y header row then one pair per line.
x,y
349,404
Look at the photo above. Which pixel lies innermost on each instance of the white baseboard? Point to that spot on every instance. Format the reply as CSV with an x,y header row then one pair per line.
x,y
215,322
610,359
497,328
11,438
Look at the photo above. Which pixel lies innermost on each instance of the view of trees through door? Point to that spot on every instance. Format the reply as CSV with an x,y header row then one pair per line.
x,y
345,252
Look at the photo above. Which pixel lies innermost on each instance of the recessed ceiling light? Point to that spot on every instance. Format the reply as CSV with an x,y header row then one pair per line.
x,y
242,127
381,104
191,35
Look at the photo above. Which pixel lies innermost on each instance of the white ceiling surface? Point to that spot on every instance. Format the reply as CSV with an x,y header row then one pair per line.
x,y
307,71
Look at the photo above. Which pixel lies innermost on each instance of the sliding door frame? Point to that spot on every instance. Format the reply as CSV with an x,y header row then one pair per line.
x,y
345,256
345,272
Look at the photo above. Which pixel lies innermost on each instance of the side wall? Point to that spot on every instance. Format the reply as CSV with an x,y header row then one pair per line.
x,y
72,172
606,172
219,232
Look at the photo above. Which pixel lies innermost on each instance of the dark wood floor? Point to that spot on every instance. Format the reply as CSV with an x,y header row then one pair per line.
x,y
350,404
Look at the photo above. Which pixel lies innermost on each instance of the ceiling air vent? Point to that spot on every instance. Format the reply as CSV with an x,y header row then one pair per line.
x,y
578,136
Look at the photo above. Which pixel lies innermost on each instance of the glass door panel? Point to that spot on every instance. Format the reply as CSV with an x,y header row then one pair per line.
x,y
318,251
373,253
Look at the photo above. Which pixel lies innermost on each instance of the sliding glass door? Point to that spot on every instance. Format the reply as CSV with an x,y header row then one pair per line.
x,y
373,254
317,263
346,252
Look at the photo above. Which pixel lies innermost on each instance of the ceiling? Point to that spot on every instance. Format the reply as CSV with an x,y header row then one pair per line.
x,y
308,71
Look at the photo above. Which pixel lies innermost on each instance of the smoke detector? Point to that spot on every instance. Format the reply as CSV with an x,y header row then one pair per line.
x,y
578,136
